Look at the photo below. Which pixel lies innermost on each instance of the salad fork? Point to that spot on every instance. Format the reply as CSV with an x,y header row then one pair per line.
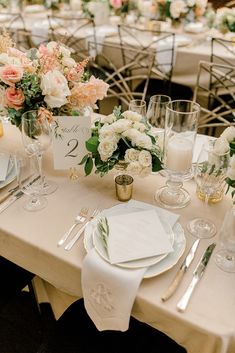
x,y
79,219
81,230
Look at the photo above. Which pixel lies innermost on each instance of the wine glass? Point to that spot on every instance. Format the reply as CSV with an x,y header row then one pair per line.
x,y
209,175
138,106
156,112
30,181
225,257
37,137
179,137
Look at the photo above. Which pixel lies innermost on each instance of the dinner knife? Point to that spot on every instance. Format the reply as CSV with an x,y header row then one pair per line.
x,y
197,275
179,275
10,201
13,190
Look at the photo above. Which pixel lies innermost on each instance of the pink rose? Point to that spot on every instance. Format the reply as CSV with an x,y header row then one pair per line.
x,y
14,98
116,4
11,74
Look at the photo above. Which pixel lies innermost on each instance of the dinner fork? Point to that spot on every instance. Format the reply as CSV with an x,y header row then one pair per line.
x,y
79,219
81,230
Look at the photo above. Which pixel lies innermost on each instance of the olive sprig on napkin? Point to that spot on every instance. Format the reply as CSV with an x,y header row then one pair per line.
x,y
103,230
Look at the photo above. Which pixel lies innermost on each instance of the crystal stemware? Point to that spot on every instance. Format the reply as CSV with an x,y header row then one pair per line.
x,y
30,181
179,137
138,106
225,257
209,175
37,137
156,112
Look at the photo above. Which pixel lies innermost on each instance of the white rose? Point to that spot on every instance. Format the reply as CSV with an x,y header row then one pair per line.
x,y
106,148
221,146
177,7
229,133
68,62
145,158
106,131
131,134
5,59
143,141
109,119
133,168
191,3
139,126
55,88
201,3
51,46
65,51
145,172
231,173
121,125
133,116
131,155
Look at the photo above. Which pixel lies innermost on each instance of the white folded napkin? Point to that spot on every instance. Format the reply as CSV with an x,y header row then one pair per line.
x,y
164,55
4,163
109,292
136,236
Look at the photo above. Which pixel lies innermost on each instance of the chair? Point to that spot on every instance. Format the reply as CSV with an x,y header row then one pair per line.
x,y
107,65
74,32
222,51
11,21
214,82
76,333
162,46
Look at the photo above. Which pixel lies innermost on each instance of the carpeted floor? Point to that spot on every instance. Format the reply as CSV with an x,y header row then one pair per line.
x,y
23,330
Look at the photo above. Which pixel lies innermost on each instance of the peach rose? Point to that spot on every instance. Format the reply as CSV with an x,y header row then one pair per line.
x,y
11,74
44,113
14,98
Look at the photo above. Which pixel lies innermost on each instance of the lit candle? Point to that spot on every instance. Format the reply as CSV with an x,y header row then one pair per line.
x,y
179,154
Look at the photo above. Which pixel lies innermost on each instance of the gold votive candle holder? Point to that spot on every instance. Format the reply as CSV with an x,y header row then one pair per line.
x,y
124,187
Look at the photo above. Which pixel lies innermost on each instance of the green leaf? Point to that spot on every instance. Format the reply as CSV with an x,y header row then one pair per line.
x,y
92,144
88,165
156,164
84,159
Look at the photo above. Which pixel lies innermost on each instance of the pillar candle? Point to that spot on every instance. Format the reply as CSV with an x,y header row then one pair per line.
x,y
179,154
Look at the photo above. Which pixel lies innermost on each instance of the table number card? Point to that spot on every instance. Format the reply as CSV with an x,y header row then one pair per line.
x,y
69,136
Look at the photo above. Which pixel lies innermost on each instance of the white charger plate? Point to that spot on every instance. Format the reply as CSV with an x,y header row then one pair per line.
x,y
11,174
163,265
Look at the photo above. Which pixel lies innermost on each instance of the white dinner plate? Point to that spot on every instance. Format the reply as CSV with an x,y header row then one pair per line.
x,y
11,174
165,264
144,262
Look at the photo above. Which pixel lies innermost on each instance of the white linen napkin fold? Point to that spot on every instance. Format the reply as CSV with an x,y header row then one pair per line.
x,y
109,292
164,55
4,163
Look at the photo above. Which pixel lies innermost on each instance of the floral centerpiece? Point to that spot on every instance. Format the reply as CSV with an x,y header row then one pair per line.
x,y
122,137
122,7
229,136
47,78
177,10
225,20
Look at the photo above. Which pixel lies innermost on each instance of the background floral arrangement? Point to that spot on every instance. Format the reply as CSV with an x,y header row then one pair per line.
x,y
181,9
122,137
122,6
47,78
225,19
3,3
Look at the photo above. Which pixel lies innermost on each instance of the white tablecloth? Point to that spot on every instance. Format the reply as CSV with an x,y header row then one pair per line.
x,y
29,239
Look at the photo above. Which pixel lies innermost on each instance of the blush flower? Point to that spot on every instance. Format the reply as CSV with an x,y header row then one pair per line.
x,y
10,74
55,88
14,98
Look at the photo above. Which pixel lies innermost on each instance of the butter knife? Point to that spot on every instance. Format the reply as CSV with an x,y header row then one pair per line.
x,y
10,201
179,275
197,275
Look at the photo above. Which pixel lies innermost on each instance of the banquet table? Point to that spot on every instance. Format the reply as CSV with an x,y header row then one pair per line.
x,y
29,239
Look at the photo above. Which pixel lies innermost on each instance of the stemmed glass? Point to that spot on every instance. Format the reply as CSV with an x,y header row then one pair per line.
x,y
225,257
156,112
209,175
30,181
179,137
37,137
138,106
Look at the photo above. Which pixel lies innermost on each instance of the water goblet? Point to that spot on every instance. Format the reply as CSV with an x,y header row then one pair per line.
x,y
156,112
37,137
138,106
30,181
225,257
179,138
209,175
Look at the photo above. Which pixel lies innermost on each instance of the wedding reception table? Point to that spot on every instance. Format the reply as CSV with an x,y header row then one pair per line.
x,y
29,239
